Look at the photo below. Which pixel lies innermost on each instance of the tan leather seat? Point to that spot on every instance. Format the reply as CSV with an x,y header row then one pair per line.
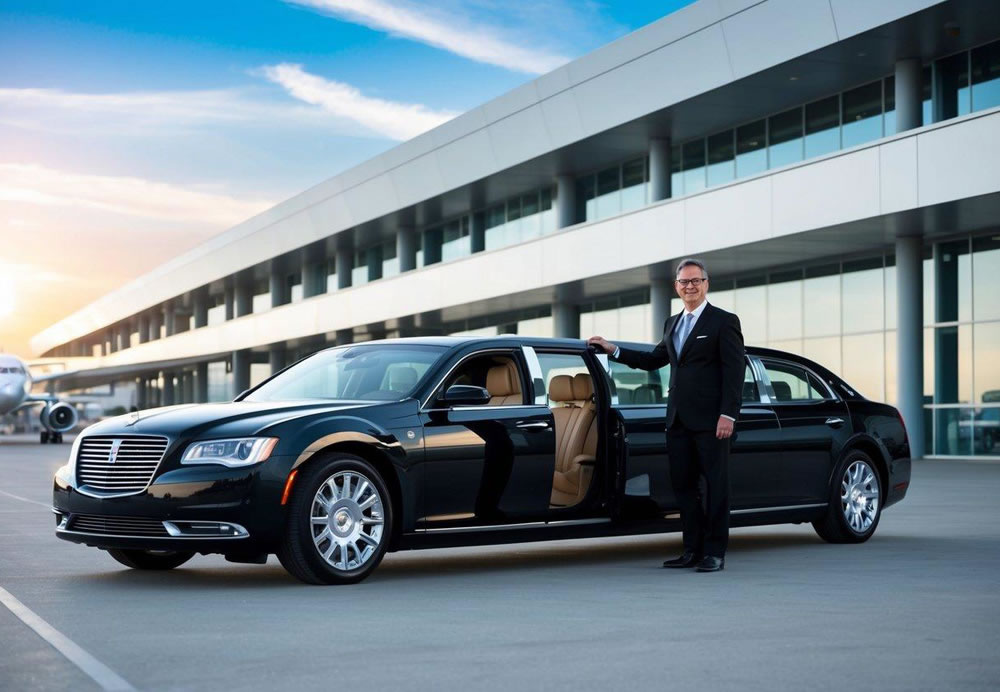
x,y
402,379
504,385
576,437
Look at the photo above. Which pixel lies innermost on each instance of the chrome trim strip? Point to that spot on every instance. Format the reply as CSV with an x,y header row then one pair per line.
x,y
176,532
778,509
505,527
537,379
153,538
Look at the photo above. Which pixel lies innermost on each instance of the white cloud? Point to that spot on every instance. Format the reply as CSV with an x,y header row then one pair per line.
x,y
156,113
449,31
46,187
389,118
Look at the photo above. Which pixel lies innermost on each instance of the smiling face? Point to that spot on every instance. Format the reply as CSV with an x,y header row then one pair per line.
x,y
693,294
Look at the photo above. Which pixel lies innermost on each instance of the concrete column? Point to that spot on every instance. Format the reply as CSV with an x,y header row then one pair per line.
x,y
280,294
910,339
565,201
200,307
230,299
566,320
243,290
278,358
112,339
406,249
478,232
659,169
144,328
909,94
345,262
169,318
155,323
314,270
661,291
201,382
241,371
141,402
168,389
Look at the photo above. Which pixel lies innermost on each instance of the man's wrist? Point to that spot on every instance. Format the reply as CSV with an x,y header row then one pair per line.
x,y
617,351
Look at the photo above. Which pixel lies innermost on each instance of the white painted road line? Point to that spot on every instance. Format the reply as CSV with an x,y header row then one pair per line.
x,y
97,671
24,499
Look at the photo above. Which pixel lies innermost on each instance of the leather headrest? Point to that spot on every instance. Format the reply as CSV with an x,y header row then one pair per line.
x,y
561,388
500,381
402,379
583,386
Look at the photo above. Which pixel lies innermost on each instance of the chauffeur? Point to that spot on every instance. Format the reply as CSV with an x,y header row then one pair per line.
x,y
704,346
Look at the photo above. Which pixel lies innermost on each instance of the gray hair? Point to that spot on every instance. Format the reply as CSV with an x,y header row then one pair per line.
x,y
690,262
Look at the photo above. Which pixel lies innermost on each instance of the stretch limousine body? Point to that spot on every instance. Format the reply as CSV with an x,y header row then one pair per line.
x,y
409,443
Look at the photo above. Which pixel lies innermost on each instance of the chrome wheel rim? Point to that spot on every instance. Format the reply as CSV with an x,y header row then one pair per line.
x,y
859,496
347,520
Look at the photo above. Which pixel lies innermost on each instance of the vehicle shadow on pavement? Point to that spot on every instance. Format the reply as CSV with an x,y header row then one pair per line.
x,y
633,553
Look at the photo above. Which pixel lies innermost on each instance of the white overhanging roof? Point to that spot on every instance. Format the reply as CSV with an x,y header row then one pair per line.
x,y
694,50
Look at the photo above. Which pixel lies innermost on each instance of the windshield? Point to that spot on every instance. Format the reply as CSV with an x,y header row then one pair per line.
x,y
385,372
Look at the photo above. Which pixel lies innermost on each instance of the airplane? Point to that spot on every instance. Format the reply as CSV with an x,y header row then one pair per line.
x,y
57,417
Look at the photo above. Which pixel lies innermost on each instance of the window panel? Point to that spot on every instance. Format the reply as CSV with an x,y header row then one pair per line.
x,y
986,277
824,350
821,296
721,158
864,364
863,301
822,127
751,149
785,138
694,166
987,364
784,317
633,195
953,365
862,114
751,306
986,76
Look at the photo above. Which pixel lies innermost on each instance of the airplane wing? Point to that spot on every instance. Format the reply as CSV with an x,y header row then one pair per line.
x,y
35,400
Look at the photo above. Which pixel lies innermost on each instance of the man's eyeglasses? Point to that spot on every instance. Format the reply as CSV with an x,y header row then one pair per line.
x,y
684,283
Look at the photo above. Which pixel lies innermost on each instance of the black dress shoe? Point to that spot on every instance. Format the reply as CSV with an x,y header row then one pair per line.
x,y
710,563
686,560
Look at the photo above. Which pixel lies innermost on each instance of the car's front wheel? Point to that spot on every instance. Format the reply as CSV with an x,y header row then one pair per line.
x,y
150,559
855,501
339,522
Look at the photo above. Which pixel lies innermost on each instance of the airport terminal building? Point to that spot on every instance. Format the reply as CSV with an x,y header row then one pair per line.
x,y
836,163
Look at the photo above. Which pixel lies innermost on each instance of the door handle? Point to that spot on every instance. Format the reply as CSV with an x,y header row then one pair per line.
x,y
834,422
523,425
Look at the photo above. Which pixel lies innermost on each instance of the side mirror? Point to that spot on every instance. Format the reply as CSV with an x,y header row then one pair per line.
x,y
466,395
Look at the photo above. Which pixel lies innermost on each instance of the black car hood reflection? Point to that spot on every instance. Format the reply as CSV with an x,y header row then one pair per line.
x,y
222,419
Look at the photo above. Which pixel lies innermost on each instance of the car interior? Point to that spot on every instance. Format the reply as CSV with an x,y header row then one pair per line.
x,y
574,410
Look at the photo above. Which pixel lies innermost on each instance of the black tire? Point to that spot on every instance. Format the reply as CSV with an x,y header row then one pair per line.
x,y
835,527
302,555
43,437
150,559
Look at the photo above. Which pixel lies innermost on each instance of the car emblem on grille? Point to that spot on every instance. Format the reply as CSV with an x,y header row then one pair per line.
x,y
113,454
133,418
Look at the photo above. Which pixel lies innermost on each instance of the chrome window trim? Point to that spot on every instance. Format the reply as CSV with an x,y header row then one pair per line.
x,y
832,394
537,380
763,384
492,349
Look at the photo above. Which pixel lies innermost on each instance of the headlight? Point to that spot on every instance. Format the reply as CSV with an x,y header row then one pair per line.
x,y
243,451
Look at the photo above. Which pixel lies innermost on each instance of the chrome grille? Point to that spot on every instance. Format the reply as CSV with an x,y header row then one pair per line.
x,y
135,460
117,526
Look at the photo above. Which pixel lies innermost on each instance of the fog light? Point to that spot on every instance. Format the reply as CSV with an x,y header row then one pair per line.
x,y
204,529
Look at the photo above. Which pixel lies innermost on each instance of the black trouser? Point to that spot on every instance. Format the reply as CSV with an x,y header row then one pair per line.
x,y
693,454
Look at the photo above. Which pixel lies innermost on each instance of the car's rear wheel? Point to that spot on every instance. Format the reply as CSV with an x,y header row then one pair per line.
x,y
855,501
339,522
150,559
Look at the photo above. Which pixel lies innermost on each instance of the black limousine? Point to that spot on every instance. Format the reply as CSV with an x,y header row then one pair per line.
x,y
409,443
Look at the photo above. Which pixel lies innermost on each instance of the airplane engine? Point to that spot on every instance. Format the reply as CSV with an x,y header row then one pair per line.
x,y
59,417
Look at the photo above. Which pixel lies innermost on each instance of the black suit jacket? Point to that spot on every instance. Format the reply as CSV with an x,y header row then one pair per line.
x,y
706,378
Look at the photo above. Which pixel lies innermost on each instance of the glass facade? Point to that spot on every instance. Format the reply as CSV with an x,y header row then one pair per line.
x,y
613,190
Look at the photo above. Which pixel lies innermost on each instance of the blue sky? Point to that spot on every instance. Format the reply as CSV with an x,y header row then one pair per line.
x,y
143,125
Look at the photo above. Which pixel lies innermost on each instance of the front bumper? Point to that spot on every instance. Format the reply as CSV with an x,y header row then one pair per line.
x,y
205,509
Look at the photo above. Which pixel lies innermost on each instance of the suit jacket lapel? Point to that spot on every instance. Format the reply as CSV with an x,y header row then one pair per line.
x,y
669,333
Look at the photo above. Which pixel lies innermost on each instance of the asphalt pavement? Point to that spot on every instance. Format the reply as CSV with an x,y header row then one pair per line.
x,y
915,608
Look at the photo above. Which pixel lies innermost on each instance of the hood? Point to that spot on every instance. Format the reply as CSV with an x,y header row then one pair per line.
x,y
239,418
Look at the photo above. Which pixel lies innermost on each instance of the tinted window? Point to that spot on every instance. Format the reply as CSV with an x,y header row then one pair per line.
x,y
353,372
638,387
792,383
